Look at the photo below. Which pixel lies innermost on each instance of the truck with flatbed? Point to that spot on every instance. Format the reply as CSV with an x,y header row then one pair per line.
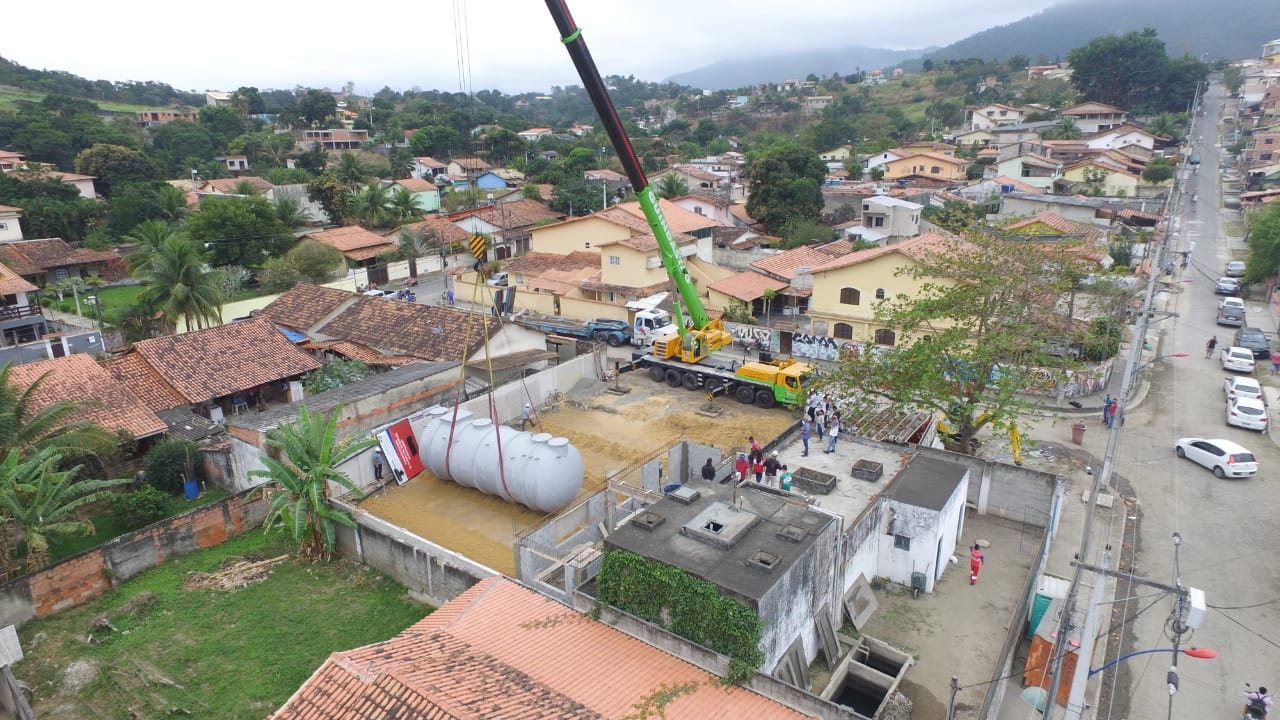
x,y
604,330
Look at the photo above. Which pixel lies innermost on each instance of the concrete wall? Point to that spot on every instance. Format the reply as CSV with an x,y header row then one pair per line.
x,y
85,576
933,537
791,607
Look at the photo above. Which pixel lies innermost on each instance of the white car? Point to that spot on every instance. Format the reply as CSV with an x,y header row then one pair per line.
x,y
1246,387
1231,302
1223,457
1238,359
1248,413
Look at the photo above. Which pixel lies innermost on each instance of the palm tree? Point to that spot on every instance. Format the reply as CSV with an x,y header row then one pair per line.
x,y
300,482
769,296
412,245
56,425
247,189
350,170
405,203
291,213
148,235
672,185
179,286
173,204
1066,130
45,500
371,205
1165,127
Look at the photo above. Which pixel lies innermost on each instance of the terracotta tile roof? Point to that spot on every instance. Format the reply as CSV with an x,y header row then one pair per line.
x,y
50,253
618,216
647,242
536,263
689,171
360,254
1053,220
517,214
837,247
363,353
215,362
10,209
708,198
302,306
438,227
678,219
1138,214
916,247
348,238
136,373
747,286
786,264
11,283
416,184
229,185
938,157
430,162
79,377
501,651
17,262
739,211
398,327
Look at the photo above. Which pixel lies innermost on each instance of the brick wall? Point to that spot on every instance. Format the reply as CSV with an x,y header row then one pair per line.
x,y
82,577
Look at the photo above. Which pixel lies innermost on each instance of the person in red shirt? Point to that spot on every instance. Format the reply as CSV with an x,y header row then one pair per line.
x,y
976,558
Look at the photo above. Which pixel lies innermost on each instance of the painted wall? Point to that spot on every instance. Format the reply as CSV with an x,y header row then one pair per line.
x,y
634,269
867,277
581,234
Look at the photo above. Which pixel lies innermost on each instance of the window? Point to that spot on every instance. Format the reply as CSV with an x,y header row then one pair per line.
x,y
901,542
850,296
615,259
61,274
4,226
613,297
886,337
879,293
935,169
697,209
843,331
878,221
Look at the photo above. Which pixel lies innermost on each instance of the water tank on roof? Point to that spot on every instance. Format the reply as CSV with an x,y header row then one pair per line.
x,y
537,470
1006,188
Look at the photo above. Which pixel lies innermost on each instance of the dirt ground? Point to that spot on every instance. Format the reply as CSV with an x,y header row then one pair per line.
x,y
612,432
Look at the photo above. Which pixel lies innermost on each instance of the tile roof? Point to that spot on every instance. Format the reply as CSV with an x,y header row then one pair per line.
x,y
517,214
11,283
363,353
348,238
50,253
428,332
215,362
438,228
229,185
501,651
534,263
747,286
430,162
916,248
678,219
142,380
10,209
1053,220
1019,185
785,264
647,242
618,216
471,163
417,184
79,377
739,211
302,306
936,156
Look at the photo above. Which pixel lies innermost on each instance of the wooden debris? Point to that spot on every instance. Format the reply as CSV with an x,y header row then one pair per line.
x,y
233,577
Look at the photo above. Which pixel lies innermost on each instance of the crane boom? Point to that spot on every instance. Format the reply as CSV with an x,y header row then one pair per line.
x,y
699,335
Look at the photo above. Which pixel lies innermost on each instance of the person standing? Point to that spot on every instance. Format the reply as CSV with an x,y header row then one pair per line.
x,y
771,468
819,423
757,465
833,432
526,416
449,296
1106,410
755,444
1209,346
806,430
709,471
1275,362
785,478
1115,408
377,463
976,558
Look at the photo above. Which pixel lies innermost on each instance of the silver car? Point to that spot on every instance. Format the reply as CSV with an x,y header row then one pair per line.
x,y
1235,269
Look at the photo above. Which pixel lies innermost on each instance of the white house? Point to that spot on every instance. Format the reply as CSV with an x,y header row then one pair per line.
x,y
985,117
886,157
1119,137
898,219
1094,117
10,228
923,517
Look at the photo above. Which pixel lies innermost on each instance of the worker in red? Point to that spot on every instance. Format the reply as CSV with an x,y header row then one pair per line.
x,y
975,563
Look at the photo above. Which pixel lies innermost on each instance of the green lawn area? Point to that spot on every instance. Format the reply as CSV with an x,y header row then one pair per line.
x,y
11,96
106,527
113,300
235,654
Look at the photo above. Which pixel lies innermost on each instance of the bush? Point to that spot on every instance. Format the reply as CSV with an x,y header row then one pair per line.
x,y
141,507
167,464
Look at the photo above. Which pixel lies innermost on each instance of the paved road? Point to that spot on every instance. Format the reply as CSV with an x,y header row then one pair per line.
x,y
1228,529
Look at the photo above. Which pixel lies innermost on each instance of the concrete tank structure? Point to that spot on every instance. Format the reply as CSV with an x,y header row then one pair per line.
x,y
542,472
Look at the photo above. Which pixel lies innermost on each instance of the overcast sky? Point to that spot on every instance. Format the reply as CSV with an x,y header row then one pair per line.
x,y
511,45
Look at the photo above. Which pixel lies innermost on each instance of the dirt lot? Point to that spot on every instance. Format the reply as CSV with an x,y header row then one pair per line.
x,y
613,433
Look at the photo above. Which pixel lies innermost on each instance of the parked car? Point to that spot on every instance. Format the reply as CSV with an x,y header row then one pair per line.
x,y
1237,386
1227,286
1237,359
1253,339
1231,316
375,292
1235,269
1231,302
1248,413
1224,457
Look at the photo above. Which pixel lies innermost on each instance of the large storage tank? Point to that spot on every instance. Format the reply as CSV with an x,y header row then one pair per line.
x,y
541,472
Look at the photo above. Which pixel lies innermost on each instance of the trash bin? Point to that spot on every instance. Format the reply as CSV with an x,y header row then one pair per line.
x,y
191,489
1077,433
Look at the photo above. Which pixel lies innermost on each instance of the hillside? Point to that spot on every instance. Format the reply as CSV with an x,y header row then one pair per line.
x,y
1223,29
46,82
746,71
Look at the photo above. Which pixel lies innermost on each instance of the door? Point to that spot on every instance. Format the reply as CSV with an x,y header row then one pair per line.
x,y
378,275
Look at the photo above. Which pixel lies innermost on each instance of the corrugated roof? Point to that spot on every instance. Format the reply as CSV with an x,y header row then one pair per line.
x,y
501,651
78,377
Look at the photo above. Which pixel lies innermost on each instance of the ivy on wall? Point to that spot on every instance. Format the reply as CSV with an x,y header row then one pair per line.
x,y
691,608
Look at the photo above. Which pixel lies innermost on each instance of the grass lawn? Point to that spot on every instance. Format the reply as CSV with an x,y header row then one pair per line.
x,y
236,654
107,528
10,97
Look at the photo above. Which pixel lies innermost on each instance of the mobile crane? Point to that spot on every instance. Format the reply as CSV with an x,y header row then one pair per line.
x,y
678,358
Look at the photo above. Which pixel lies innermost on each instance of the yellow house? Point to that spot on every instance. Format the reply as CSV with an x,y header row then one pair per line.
x,y
848,288
841,153
1118,183
928,164
582,234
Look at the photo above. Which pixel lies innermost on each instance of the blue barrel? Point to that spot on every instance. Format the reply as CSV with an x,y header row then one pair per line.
x,y
191,489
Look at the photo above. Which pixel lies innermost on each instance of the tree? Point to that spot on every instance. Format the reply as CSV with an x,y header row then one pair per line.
x,y
351,170
114,165
371,206
1264,244
238,230
30,427
173,204
181,146
784,183
436,140
1132,71
315,107
970,340
178,286
248,101
1165,127
1066,129
223,122
405,203
769,296
953,216
45,500
1095,181
1158,171
411,245
315,262
672,185
291,214
330,192
299,480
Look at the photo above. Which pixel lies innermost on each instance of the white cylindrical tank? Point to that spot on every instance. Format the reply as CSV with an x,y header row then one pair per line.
x,y
540,471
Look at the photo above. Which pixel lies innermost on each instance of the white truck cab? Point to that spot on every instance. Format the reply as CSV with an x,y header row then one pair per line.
x,y
650,324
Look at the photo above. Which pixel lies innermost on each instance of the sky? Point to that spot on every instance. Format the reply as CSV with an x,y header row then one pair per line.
x,y
508,45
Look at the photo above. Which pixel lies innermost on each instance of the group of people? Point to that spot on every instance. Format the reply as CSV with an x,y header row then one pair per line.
x,y
1110,406
822,416
767,469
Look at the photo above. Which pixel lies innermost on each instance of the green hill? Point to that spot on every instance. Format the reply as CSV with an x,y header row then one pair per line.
x,y
21,82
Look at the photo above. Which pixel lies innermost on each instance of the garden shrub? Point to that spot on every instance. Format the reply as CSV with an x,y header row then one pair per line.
x,y
140,507
167,464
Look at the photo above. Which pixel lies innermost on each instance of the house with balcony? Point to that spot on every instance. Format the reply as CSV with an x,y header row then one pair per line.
x,y
985,117
927,165
48,260
428,168
1082,177
330,139
1028,167
894,219
469,168
1094,117
21,319
152,118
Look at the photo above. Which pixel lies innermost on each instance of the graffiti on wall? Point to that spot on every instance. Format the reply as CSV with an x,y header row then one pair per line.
x,y
750,336
818,347
1051,382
